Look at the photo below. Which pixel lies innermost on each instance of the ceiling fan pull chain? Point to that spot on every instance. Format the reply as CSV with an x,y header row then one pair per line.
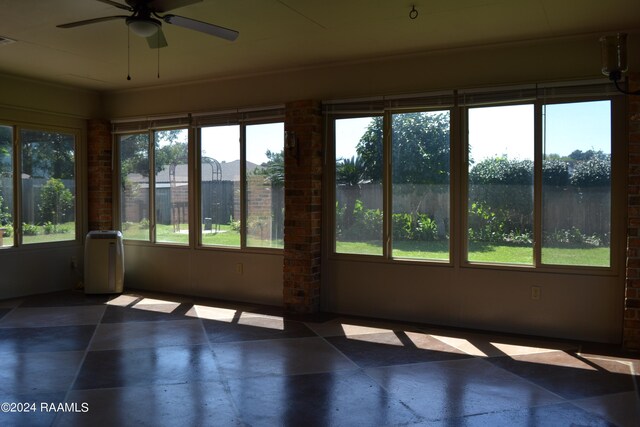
x,y
158,48
128,54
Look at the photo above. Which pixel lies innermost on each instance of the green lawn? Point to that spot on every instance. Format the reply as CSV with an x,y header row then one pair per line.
x,y
489,253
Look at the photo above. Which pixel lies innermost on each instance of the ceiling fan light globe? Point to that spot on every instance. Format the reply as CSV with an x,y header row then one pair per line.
x,y
143,27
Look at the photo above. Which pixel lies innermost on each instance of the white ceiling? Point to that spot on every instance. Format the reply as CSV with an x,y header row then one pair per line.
x,y
278,34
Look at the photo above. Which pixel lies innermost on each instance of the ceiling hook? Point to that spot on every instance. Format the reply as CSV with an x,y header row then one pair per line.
x,y
414,13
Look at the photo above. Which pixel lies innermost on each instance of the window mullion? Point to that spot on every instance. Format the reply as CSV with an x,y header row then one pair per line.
x,y
152,186
243,186
17,188
539,139
387,202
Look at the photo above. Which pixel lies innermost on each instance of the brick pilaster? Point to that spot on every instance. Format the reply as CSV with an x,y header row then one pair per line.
x,y
631,334
100,195
303,207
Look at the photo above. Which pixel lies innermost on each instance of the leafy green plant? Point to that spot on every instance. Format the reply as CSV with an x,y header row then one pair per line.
x,y
29,229
144,224
56,202
49,227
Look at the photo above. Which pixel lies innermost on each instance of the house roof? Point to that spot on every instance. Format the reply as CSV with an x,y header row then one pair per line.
x,y
229,171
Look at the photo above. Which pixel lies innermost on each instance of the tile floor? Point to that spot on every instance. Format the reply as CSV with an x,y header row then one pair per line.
x,y
165,360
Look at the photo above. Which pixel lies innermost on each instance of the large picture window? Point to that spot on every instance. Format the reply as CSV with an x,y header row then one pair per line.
x,y
134,186
154,186
576,187
220,185
171,186
531,186
240,182
359,172
420,163
265,185
500,184
48,186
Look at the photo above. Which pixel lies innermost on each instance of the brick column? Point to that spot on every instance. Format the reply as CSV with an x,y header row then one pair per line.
x,y
302,207
100,194
631,334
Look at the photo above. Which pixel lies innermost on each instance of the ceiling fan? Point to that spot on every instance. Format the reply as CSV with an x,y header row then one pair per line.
x,y
146,22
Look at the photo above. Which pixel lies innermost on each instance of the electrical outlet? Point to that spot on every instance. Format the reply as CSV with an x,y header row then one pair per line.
x,y
74,263
239,268
536,292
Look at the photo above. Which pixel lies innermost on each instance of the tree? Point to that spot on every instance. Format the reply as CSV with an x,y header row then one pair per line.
x,y
48,154
56,202
420,148
349,174
273,169
134,152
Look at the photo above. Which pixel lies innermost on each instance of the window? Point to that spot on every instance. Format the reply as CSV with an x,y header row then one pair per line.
x,y
531,184
6,186
265,185
161,215
576,187
358,190
500,184
420,157
134,186
220,185
171,181
48,186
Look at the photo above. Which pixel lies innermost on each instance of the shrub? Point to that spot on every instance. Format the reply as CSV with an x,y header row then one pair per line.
x,y
401,226
29,229
49,227
144,224
56,202
425,229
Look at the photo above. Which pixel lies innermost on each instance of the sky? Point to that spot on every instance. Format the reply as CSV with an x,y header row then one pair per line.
x,y
223,142
509,130
493,131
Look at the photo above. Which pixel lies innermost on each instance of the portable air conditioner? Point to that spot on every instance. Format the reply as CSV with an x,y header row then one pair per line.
x,y
103,262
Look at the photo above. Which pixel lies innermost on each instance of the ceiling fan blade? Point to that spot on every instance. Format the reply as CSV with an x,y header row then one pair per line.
x,y
204,27
115,4
161,6
157,40
91,21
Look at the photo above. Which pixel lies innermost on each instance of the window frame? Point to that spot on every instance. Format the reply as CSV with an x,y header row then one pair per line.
x,y
193,123
151,191
538,95
78,177
387,184
242,123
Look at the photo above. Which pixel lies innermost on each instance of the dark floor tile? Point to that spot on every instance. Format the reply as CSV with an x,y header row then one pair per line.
x,y
254,328
45,339
192,404
35,409
114,336
394,348
65,298
147,366
26,373
337,399
561,415
28,317
4,311
279,357
146,313
458,388
569,375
